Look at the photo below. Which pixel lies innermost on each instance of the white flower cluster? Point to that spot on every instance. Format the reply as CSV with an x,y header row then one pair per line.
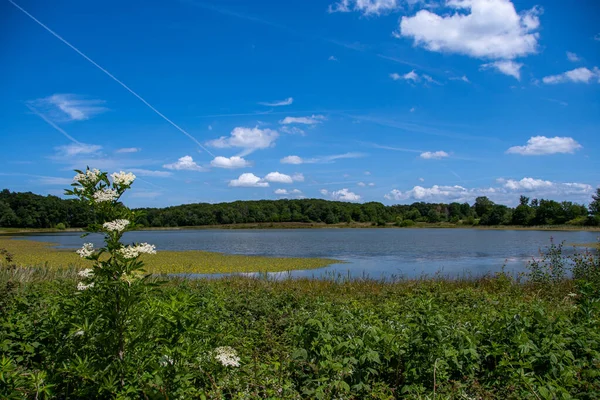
x,y
165,360
122,178
83,286
134,251
86,251
105,195
90,176
118,225
227,356
86,273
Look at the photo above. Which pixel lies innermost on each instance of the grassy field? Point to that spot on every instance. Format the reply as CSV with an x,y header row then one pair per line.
x,y
490,338
34,253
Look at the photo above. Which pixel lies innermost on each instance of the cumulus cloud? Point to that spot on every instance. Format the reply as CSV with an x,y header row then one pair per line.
x,y
249,139
573,57
230,162
298,177
362,184
542,145
435,155
312,120
507,67
69,107
248,180
285,192
341,195
577,75
277,177
185,163
319,160
279,103
506,193
367,7
479,28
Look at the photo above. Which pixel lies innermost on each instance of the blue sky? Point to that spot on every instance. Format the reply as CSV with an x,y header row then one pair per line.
x,y
356,100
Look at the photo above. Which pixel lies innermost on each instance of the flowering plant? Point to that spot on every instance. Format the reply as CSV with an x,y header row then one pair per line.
x,y
117,281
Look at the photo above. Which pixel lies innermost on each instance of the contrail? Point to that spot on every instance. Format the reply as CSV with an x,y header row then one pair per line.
x,y
52,124
111,76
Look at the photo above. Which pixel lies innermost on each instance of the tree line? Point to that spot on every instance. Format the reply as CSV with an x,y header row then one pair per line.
x,y
29,210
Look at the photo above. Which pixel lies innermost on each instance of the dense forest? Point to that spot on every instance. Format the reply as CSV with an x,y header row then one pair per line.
x,y
29,210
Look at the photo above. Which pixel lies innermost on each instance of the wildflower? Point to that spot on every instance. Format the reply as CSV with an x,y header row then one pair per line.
x,y
165,360
132,277
134,251
86,251
86,273
78,333
122,178
227,356
105,195
82,286
572,295
90,176
117,225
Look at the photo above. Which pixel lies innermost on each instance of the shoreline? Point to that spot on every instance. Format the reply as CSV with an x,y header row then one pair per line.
x,y
315,225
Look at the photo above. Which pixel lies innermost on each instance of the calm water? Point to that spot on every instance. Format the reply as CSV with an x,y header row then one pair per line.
x,y
375,253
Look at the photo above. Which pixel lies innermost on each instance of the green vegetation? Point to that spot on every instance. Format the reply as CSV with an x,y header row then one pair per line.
x,y
491,338
28,210
42,254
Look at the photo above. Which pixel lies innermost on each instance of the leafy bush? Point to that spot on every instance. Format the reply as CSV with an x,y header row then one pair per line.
x,y
60,226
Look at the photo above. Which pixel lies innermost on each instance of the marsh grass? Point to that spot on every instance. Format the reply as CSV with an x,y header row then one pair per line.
x,y
42,254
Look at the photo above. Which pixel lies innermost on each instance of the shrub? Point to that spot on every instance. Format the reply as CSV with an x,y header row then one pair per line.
x,y
60,226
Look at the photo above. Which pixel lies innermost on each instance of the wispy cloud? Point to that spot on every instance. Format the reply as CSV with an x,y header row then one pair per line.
x,y
68,107
76,149
573,57
578,75
320,160
414,77
110,76
506,67
279,103
128,150
312,120
248,139
149,172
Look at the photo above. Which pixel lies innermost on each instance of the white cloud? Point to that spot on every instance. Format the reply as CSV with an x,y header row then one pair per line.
x,y
292,160
185,163
409,76
542,145
341,195
298,177
332,58
249,139
437,155
362,184
75,149
430,79
285,102
578,75
51,180
230,162
292,130
277,177
248,180
461,78
422,179
412,109
128,150
506,193
69,107
367,173
573,57
507,67
147,172
312,120
367,7
285,192
319,160
371,184
490,29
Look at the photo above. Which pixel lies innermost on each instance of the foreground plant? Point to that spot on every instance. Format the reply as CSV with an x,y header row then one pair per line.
x,y
116,283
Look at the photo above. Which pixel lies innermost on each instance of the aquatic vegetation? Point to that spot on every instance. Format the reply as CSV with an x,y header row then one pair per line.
x,y
34,253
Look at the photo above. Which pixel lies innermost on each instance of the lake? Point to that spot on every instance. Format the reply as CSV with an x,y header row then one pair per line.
x,y
376,253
